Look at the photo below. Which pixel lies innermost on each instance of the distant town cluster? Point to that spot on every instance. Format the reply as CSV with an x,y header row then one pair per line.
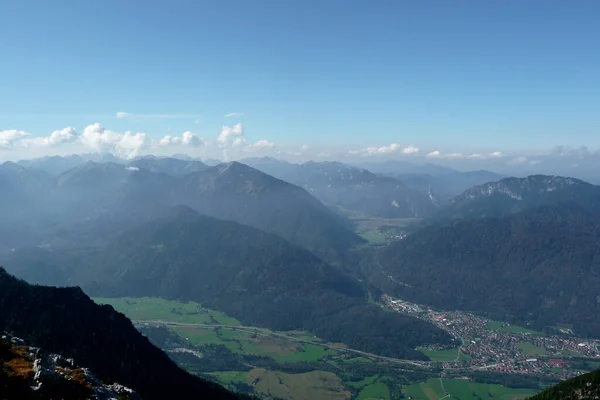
x,y
496,346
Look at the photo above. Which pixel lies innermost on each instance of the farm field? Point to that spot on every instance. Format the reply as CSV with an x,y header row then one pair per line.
x,y
248,343
374,237
498,326
440,355
156,309
462,389
530,349
375,391
306,386
280,365
238,341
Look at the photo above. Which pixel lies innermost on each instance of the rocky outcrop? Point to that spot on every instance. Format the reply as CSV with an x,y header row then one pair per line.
x,y
30,373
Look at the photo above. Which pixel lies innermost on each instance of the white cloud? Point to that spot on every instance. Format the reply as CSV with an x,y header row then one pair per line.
x,y
234,114
191,139
240,141
188,138
230,134
9,137
454,155
126,115
371,151
169,140
263,144
438,154
132,168
410,150
124,145
476,156
65,135
304,148
480,156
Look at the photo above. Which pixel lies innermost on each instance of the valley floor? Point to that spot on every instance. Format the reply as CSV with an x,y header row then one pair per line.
x,y
297,365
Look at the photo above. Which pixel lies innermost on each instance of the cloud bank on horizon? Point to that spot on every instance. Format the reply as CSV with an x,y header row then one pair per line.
x,y
232,142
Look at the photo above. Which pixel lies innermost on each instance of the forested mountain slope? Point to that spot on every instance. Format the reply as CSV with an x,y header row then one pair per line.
x,y
583,387
536,266
254,276
243,194
512,195
67,322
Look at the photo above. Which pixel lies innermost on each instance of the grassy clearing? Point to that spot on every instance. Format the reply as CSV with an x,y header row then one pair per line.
x,y
308,353
306,386
571,353
464,390
230,377
498,326
157,309
375,391
594,365
467,390
530,349
374,237
243,342
203,337
365,382
430,390
440,355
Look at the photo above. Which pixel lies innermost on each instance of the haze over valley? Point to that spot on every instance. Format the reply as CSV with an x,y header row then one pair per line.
x,y
301,200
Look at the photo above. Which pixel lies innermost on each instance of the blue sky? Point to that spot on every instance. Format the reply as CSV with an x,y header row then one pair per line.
x,y
453,76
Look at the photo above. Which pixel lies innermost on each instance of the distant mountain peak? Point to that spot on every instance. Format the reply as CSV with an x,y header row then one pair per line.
x,y
183,212
236,167
510,195
11,166
517,188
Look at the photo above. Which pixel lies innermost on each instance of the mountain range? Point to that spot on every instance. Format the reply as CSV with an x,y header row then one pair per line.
x,y
73,205
351,188
442,183
169,165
